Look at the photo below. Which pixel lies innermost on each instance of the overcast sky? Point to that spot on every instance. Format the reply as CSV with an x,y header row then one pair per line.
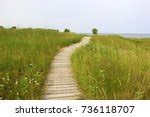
x,y
108,16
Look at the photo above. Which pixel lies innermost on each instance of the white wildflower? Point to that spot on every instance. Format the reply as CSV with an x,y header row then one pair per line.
x,y
37,84
16,82
3,78
30,81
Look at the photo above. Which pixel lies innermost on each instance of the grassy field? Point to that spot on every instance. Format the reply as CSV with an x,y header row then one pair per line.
x,y
25,58
113,67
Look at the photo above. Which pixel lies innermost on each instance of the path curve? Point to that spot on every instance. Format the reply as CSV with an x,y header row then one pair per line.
x,y
60,83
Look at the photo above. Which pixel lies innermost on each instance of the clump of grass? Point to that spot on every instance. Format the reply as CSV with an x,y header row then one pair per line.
x,y
25,58
113,67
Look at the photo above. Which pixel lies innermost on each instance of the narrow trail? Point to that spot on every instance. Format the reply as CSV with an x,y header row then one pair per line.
x,y
60,83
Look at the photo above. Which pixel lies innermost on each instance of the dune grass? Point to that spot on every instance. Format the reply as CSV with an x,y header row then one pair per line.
x,y
113,67
25,58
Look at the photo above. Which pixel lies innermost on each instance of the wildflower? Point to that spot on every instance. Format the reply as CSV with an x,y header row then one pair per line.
x,y
3,78
1,85
16,82
8,79
30,81
37,84
30,65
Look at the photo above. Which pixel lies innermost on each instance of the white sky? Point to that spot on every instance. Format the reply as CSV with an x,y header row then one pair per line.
x,y
108,16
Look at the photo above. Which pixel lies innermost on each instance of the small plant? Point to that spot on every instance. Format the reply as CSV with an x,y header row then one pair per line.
x,y
66,30
94,31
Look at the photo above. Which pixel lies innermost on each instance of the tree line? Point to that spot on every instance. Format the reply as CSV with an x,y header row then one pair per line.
x,y
66,30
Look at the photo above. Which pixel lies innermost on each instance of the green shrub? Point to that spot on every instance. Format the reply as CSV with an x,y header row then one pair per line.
x,y
66,30
94,31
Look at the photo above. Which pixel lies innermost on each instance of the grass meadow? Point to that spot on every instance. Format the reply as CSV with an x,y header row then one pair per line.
x,y
25,58
113,67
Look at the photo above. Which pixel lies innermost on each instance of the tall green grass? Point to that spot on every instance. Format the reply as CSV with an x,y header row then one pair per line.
x,y
113,67
25,58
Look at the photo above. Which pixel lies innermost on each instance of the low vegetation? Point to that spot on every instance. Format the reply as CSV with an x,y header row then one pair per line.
x,y
25,58
113,67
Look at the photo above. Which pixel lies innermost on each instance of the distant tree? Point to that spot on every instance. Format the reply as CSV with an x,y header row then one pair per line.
x,y
94,31
57,30
66,30
13,27
1,27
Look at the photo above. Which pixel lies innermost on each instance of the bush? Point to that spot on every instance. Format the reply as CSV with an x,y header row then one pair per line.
x,y
66,30
13,27
95,31
1,27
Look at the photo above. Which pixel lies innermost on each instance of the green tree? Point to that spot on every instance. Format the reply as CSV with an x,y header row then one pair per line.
x,y
94,31
14,27
66,30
